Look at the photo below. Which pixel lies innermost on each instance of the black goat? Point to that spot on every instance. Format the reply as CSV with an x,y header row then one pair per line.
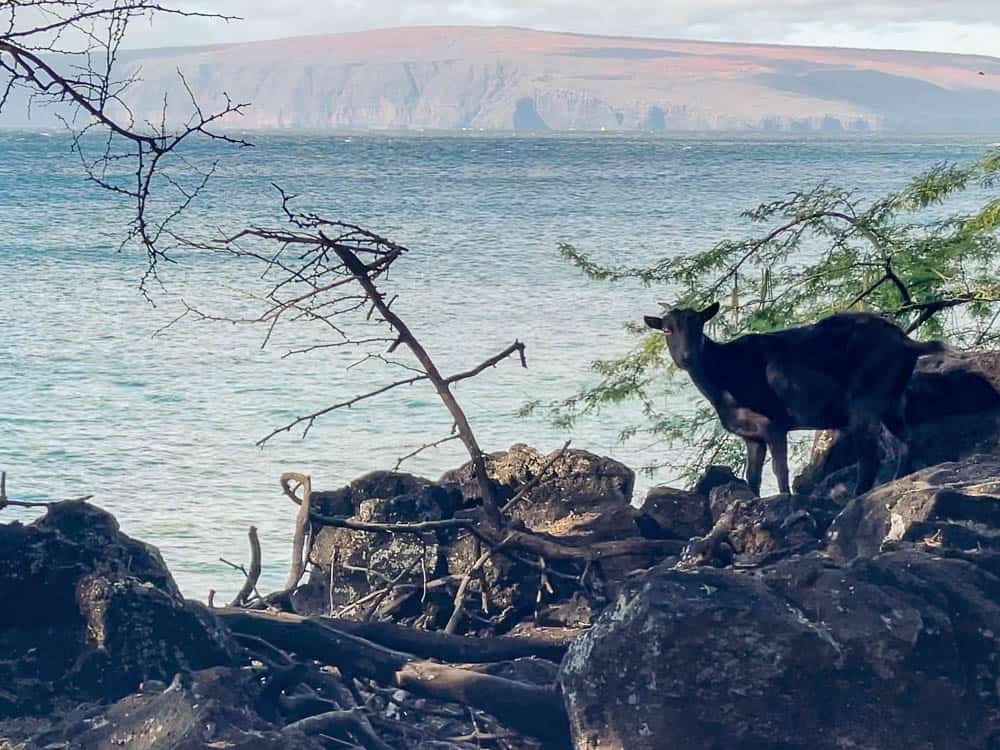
x,y
846,372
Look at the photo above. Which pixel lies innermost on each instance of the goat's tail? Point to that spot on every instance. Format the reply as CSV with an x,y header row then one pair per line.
x,y
922,348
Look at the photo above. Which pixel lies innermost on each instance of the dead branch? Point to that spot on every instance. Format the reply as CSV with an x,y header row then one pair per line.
x,y
493,361
415,527
421,449
529,541
376,603
441,384
550,547
314,261
257,599
65,53
299,552
530,709
6,501
405,588
250,584
310,419
352,722
431,644
459,607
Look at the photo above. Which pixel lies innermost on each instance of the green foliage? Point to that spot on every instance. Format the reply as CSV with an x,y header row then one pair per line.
x,y
909,255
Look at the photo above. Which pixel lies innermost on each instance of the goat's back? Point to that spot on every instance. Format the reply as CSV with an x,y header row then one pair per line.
x,y
837,345
817,376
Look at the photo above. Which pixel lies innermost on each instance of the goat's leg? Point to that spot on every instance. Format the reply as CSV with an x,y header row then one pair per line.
x,y
865,435
875,397
895,423
778,444
756,452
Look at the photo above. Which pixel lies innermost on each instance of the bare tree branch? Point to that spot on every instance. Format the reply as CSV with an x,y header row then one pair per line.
x,y
64,53
299,552
493,361
310,419
421,449
253,575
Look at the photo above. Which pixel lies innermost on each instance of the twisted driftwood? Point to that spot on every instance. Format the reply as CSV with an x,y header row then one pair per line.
x,y
529,709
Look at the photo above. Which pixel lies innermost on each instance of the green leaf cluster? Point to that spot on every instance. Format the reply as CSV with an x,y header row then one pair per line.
x,y
911,255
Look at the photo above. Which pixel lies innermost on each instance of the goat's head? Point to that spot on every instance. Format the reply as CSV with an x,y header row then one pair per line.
x,y
684,331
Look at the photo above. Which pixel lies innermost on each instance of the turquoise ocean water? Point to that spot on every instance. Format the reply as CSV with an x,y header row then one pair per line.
x,y
161,429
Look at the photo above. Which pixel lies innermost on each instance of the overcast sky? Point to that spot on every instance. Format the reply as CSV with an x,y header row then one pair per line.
x,y
968,26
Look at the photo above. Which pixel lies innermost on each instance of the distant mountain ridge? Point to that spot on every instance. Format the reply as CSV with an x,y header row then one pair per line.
x,y
484,78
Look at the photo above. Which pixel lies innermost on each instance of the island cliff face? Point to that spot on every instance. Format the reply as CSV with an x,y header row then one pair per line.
x,y
478,78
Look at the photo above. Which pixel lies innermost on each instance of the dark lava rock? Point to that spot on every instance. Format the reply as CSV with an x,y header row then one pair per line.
x,y
90,613
213,708
953,383
895,652
723,496
575,612
749,529
410,492
577,483
360,561
716,476
954,505
527,669
669,513
363,561
41,563
581,499
509,583
137,633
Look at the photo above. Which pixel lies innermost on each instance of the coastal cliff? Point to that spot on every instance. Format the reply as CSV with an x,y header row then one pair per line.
x,y
503,79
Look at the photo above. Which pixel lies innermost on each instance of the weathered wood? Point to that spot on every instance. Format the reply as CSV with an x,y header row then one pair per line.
x,y
253,575
429,644
299,554
349,721
529,709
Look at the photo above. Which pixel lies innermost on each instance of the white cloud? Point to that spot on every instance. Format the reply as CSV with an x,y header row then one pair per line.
x,y
968,26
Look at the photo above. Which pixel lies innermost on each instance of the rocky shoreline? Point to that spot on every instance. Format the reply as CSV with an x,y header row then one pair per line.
x,y
813,620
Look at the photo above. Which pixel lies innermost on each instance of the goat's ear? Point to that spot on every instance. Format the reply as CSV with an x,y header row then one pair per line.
x,y
654,322
710,312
